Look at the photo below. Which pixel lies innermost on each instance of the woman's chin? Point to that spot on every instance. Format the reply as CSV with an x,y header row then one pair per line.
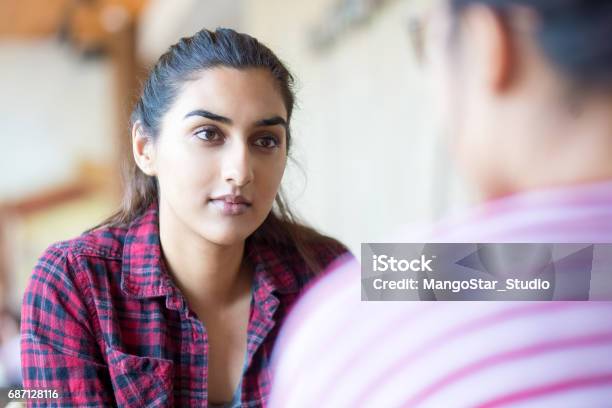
x,y
227,235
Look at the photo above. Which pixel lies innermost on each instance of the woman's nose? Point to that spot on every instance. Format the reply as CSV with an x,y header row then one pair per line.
x,y
237,166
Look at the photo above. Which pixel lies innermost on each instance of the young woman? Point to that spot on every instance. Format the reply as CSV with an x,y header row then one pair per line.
x,y
176,300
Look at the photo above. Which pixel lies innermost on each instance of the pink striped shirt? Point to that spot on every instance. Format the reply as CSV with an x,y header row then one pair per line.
x,y
337,351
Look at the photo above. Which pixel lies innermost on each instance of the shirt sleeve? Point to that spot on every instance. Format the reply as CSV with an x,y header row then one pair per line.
x,y
59,351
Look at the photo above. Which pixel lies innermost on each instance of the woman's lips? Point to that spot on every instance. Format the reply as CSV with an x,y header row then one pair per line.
x,y
230,205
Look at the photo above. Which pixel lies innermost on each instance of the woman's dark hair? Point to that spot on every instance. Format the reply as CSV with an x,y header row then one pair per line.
x,y
181,63
576,35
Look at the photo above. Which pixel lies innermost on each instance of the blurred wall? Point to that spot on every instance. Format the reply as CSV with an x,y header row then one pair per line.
x,y
364,131
164,22
56,109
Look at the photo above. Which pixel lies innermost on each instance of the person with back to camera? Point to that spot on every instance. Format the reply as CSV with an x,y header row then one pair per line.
x,y
176,300
526,87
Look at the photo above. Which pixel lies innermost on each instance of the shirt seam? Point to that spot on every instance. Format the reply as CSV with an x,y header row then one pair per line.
x,y
67,352
80,248
93,316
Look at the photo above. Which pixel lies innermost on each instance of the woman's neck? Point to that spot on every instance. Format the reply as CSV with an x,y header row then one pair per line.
x,y
208,274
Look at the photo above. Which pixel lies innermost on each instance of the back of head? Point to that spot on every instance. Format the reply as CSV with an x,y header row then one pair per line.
x,y
529,88
576,35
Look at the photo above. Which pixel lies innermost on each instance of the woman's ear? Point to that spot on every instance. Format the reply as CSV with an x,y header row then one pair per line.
x,y
493,48
143,148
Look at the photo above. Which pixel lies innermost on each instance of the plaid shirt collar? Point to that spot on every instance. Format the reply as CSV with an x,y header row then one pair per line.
x,y
147,276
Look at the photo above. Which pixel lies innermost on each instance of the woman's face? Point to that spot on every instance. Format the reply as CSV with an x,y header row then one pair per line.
x,y
221,153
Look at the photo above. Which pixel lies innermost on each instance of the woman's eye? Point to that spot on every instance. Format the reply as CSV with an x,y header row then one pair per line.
x,y
208,135
267,142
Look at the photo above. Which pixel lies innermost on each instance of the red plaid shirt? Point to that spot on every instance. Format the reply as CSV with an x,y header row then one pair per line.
x,y
104,324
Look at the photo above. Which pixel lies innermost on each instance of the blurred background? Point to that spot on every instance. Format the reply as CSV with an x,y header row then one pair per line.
x,y
369,154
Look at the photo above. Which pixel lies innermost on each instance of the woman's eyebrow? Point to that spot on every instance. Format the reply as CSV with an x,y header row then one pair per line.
x,y
209,115
275,120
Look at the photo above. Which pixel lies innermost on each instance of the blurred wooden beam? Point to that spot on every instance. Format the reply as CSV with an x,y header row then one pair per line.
x,y
91,177
127,71
31,18
46,199
86,20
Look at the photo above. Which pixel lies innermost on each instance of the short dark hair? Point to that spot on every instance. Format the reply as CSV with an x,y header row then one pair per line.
x,y
576,35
